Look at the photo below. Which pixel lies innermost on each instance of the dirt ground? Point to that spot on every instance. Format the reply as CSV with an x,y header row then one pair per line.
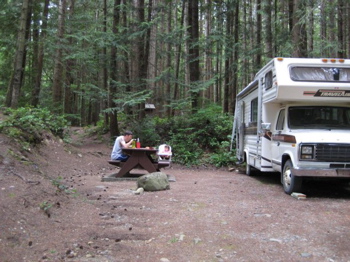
x,y
54,207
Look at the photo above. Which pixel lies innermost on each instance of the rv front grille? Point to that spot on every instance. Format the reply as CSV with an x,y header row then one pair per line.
x,y
332,152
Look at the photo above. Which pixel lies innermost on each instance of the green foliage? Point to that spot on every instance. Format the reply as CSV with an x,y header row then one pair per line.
x,y
128,99
2,97
186,149
57,183
61,187
223,157
194,136
146,131
200,138
28,124
46,206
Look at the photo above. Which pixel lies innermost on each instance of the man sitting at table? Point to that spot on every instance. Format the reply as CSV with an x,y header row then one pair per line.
x,y
121,142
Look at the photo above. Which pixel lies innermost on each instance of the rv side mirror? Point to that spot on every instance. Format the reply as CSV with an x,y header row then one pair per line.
x,y
266,126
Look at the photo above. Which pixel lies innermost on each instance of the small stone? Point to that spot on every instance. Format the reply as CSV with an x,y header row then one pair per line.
x,y
71,254
276,240
197,240
149,240
181,237
305,254
139,191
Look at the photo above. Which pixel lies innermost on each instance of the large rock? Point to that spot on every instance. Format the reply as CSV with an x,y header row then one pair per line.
x,y
153,182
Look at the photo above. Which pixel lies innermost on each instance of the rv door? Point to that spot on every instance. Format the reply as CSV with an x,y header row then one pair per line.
x,y
276,139
240,133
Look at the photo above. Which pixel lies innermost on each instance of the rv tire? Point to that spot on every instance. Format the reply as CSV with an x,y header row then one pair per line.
x,y
290,182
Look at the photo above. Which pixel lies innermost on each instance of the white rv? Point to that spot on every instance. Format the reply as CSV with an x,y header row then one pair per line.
x,y
294,118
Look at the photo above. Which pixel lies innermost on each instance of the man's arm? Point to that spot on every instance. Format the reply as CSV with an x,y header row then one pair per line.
x,y
126,144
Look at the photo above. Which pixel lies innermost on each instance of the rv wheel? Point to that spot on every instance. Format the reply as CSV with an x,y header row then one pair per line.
x,y
290,182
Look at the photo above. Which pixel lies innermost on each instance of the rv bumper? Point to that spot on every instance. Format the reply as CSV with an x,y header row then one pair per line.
x,y
345,172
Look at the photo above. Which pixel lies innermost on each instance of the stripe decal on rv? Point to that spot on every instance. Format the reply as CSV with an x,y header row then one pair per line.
x,y
268,160
264,158
309,93
328,93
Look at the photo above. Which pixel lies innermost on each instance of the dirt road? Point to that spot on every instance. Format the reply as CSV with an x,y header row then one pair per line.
x,y
207,215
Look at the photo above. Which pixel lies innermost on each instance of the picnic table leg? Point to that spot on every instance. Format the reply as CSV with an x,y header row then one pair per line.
x,y
129,164
147,164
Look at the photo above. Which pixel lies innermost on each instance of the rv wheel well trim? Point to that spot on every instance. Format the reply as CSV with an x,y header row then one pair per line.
x,y
285,158
245,156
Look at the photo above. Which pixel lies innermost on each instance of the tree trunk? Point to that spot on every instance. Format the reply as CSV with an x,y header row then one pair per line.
x,y
143,47
219,56
310,28
178,55
323,33
168,96
209,94
299,36
36,20
259,45
347,29
341,30
152,53
113,116
69,64
332,38
40,58
138,56
228,57
14,89
268,29
193,52
235,55
57,85
246,37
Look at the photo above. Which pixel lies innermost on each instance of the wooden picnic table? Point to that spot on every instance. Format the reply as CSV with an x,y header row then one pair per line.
x,y
138,158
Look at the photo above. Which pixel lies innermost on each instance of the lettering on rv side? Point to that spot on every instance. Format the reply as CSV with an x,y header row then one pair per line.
x,y
333,93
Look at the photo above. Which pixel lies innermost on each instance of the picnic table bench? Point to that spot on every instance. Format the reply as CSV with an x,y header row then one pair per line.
x,y
158,165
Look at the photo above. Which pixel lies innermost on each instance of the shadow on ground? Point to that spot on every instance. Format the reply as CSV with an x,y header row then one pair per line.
x,y
312,187
327,188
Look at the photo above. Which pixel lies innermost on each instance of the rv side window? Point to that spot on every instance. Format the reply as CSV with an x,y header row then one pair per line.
x,y
268,80
280,120
320,74
254,110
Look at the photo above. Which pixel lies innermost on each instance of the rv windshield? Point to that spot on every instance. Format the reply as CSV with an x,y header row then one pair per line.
x,y
329,117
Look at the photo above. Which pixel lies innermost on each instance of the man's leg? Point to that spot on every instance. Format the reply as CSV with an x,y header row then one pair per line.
x,y
122,158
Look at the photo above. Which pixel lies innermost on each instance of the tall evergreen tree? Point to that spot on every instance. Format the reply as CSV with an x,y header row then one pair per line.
x,y
193,52
16,82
